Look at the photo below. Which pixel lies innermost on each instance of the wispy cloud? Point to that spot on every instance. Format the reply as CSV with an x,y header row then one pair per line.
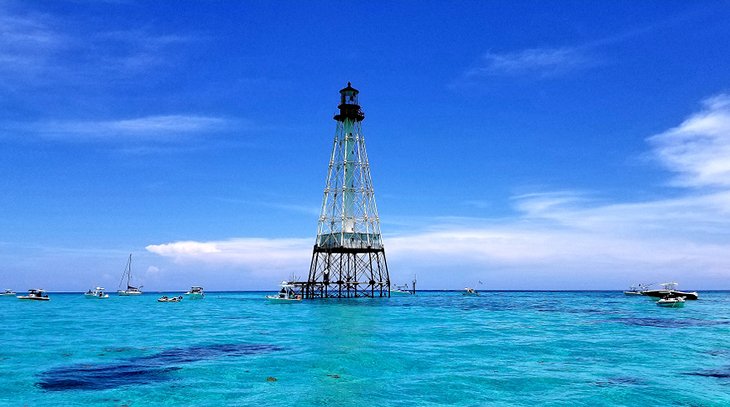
x,y
164,128
136,50
38,48
27,42
307,210
539,62
553,61
699,148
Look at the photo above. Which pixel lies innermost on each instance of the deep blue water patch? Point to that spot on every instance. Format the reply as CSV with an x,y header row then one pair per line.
x,y
670,322
716,373
620,381
140,370
118,349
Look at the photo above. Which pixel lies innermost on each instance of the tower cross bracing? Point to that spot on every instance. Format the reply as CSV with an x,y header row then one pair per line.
x,y
348,259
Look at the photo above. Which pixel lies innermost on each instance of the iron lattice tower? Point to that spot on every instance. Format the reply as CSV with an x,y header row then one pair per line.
x,y
348,258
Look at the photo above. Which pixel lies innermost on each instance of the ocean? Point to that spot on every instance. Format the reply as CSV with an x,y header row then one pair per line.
x,y
431,349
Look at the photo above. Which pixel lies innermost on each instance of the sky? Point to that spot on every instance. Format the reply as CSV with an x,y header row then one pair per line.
x,y
520,144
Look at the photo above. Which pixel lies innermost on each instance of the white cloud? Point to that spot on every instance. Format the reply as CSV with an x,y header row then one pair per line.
x,y
163,128
564,241
184,249
699,148
255,255
541,62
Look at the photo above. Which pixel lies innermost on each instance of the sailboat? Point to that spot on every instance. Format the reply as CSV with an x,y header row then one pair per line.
x,y
131,290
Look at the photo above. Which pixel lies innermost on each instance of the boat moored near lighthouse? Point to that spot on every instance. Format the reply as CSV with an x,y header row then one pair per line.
x,y
97,293
286,294
8,293
669,290
195,293
130,290
35,294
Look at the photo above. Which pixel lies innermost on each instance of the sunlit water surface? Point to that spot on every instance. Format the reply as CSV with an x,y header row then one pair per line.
x,y
435,348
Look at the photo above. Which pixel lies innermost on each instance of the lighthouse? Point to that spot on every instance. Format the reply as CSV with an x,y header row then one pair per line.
x,y
348,259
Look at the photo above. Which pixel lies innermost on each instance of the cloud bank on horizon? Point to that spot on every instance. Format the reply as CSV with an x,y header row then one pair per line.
x,y
569,235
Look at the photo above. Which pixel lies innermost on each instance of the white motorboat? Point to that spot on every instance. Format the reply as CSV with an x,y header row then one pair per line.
x,y
671,302
130,290
195,293
35,294
470,291
165,298
8,293
401,290
404,289
286,294
97,293
670,290
637,289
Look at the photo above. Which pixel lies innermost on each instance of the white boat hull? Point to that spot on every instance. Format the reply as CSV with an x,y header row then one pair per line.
x,y
129,293
95,297
170,299
25,297
274,298
194,296
670,303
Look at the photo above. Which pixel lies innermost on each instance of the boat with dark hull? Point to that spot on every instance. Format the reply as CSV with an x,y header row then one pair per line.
x,y
669,290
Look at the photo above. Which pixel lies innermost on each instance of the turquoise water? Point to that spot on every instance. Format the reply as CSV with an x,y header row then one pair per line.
x,y
437,348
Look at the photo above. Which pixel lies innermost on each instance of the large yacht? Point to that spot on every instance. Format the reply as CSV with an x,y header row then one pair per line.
x,y
670,290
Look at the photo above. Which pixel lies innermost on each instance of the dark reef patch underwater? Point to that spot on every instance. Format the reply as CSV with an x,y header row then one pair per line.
x,y
669,322
140,370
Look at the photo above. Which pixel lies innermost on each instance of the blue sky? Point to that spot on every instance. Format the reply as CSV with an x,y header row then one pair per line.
x,y
563,145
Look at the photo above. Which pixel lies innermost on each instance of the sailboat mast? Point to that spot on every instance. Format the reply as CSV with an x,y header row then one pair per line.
x,y
129,269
